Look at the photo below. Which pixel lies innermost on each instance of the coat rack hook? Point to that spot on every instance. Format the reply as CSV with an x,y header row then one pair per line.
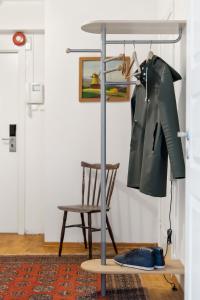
x,y
69,50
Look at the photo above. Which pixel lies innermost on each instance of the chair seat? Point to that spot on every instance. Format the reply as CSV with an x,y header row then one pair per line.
x,y
82,208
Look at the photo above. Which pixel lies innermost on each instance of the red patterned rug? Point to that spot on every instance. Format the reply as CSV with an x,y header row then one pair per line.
x,y
61,278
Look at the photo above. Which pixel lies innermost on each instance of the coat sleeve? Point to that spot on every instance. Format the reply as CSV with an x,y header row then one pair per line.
x,y
170,124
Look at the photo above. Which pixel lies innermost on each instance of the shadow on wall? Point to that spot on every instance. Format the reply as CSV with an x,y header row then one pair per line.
x,y
137,226
133,215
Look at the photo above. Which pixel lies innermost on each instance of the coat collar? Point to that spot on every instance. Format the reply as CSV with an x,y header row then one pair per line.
x,y
175,75
151,64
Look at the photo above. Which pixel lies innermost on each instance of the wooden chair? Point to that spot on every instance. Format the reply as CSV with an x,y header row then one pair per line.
x,y
91,194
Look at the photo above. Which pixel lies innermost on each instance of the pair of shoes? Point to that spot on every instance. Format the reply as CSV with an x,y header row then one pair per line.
x,y
142,258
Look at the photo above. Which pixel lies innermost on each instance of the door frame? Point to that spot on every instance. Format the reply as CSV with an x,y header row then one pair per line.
x,y
20,133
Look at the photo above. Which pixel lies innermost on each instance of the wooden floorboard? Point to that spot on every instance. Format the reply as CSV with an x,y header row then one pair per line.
x,y
13,244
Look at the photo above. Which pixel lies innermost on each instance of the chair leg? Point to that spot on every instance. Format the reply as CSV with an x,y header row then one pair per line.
x,y
62,233
83,229
90,234
111,234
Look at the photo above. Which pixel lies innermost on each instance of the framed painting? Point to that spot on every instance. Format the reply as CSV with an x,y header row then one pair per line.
x,y
89,81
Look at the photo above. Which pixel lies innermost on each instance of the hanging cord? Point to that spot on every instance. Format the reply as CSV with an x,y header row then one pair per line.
x,y
173,285
169,238
146,97
169,231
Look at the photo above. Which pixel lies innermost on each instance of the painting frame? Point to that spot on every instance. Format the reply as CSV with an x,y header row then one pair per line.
x,y
122,95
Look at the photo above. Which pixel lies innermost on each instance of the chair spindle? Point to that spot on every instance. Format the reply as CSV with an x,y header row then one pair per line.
x,y
89,184
112,188
109,187
95,184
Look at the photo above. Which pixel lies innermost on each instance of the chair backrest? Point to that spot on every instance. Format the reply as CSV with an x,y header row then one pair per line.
x,y
91,183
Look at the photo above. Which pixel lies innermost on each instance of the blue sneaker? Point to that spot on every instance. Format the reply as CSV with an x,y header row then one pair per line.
x,y
158,258
141,258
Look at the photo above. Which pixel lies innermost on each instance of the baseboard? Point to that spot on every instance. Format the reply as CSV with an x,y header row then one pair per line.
x,y
97,245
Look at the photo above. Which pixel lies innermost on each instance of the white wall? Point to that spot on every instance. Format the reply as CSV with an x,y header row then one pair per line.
x,y
169,9
73,128
21,15
34,135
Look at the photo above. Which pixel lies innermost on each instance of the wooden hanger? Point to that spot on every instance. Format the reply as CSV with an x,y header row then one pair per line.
x,y
124,63
134,60
118,68
122,67
119,57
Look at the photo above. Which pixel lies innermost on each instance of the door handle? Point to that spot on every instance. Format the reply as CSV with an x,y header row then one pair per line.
x,y
183,134
12,143
5,139
12,138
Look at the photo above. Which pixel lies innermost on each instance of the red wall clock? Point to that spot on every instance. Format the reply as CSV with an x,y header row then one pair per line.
x,y
19,38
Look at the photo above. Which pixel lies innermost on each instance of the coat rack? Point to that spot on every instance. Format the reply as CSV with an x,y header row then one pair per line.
x,y
103,28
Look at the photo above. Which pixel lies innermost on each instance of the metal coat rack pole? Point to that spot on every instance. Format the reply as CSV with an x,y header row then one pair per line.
x,y
103,157
102,51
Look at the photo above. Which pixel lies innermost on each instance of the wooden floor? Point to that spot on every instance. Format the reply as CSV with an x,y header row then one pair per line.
x,y
13,244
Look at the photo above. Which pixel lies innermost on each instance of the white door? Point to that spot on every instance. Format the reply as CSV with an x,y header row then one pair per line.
x,y
192,276
9,161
